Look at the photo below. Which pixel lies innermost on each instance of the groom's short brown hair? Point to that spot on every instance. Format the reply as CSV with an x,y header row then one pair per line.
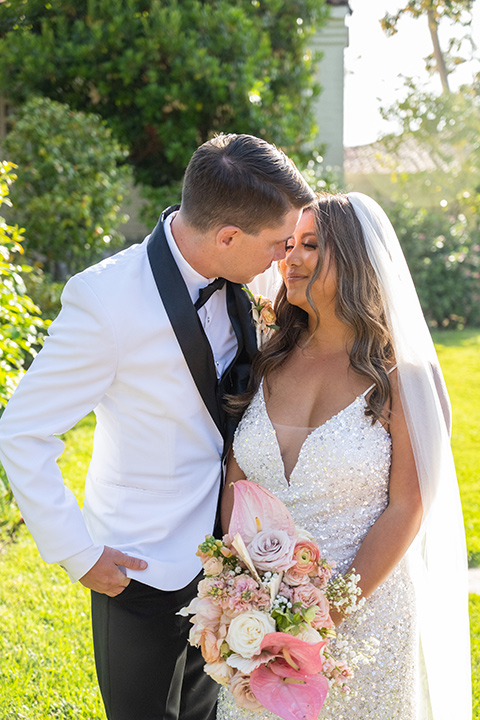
x,y
241,180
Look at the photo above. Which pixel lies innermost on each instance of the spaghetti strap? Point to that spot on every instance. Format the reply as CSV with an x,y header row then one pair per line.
x,y
364,394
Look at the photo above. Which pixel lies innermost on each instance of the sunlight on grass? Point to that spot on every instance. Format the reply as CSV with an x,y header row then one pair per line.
x,y
459,355
47,668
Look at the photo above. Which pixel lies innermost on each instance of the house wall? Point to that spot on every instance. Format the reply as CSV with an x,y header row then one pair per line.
x,y
331,40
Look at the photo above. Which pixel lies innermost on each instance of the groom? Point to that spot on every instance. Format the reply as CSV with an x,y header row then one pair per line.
x,y
141,341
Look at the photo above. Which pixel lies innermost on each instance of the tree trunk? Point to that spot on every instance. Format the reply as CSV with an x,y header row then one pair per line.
x,y
437,51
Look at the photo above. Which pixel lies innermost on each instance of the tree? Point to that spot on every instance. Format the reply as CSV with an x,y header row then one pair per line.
x,y
69,187
448,128
435,10
165,74
440,235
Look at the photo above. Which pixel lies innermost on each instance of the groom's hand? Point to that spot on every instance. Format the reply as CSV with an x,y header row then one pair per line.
x,y
106,576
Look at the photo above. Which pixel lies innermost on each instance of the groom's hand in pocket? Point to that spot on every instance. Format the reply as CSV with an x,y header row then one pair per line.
x,y
106,575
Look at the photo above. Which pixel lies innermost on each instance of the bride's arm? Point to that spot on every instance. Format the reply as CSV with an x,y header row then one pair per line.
x,y
233,474
389,538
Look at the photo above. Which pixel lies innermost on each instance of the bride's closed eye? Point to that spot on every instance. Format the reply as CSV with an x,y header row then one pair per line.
x,y
308,245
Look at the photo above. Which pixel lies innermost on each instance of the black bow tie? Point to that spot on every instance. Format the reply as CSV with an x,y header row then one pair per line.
x,y
206,292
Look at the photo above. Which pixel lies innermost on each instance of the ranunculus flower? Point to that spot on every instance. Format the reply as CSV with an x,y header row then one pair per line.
x,y
219,671
212,566
247,631
272,550
310,595
239,686
306,555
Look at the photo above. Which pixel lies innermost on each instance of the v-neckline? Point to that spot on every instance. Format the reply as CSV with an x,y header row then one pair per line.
x,y
309,435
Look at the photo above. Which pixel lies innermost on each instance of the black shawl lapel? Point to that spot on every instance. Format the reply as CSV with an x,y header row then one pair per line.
x,y
184,319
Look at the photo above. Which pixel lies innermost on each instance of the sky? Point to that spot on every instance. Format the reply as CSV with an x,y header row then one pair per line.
x,y
375,62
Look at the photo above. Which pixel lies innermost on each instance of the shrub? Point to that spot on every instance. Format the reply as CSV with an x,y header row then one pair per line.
x,y
69,187
20,331
443,252
20,324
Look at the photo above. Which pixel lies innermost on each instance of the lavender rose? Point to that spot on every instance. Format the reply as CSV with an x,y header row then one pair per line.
x,y
272,550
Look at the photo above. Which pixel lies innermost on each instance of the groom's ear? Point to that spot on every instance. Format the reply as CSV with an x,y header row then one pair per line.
x,y
227,235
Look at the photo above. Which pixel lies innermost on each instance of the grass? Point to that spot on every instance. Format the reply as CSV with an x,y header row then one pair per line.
x,y
46,667
459,355
475,639
46,655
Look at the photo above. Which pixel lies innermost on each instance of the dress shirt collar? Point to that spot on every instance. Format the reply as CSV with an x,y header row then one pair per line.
x,y
193,280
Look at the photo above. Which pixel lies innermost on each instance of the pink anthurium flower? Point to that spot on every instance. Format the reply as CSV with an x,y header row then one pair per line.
x,y
301,656
291,686
255,508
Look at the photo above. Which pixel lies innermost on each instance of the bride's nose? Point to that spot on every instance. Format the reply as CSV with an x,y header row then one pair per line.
x,y
293,257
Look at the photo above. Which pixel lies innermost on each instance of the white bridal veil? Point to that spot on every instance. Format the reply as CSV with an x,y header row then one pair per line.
x,y
437,558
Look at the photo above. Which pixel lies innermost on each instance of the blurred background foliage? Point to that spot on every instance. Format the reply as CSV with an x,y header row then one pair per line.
x,y
165,74
70,185
108,92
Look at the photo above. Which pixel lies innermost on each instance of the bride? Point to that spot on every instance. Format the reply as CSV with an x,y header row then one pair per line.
x,y
347,422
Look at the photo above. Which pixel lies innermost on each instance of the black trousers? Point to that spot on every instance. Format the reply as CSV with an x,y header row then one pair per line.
x,y
146,669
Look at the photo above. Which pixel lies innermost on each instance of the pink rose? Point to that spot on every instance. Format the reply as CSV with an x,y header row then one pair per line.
x,y
293,577
310,595
272,550
239,686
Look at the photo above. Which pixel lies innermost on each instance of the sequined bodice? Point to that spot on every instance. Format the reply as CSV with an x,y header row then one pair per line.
x,y
337,489
339,485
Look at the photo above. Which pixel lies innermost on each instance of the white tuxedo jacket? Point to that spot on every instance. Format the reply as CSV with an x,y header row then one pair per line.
x,y
153,481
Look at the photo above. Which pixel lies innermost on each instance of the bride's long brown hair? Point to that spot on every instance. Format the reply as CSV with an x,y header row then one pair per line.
x,y
358,304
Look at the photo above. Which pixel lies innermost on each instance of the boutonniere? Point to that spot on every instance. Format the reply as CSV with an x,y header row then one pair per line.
x,y
263,316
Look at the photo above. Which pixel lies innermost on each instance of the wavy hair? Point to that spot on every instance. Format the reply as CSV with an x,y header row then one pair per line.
x,y
358,304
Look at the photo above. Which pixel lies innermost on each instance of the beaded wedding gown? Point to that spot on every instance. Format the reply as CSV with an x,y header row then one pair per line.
x,y
337,488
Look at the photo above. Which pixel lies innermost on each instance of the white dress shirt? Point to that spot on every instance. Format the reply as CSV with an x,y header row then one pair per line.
x,y
213,315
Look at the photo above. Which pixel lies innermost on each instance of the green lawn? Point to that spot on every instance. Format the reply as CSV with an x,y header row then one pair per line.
x,y
459,355
46,659
46,653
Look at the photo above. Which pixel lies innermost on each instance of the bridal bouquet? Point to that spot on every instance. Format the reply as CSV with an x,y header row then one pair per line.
x,y
262,613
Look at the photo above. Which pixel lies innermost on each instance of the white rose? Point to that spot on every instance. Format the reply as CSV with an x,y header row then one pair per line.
x,y
247,631
309,634
304,534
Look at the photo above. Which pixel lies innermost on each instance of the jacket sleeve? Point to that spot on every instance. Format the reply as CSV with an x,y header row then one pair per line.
x,y
65,382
